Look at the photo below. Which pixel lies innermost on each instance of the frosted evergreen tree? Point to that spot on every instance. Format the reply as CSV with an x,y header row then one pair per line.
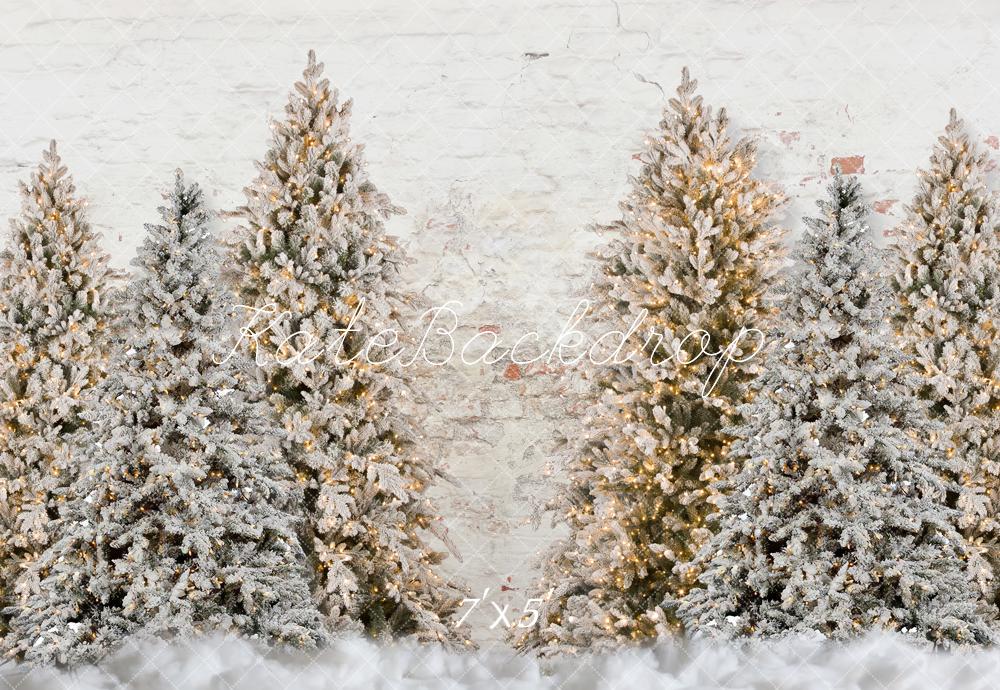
x,y
55,286
312,255
947,281
696,251
179,523
836,521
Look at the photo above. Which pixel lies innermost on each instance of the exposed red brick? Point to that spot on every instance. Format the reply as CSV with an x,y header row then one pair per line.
x,y
884,205
992,141
512,372
849,165
788,138
440,224
489,328
542,369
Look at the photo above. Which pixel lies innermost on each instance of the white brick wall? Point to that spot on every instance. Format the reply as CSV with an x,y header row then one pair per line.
x,y
505,127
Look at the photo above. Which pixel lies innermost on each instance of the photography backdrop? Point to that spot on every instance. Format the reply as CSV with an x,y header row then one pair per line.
x,y
505,129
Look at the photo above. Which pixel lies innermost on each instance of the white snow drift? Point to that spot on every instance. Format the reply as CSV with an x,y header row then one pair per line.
x,y
878,662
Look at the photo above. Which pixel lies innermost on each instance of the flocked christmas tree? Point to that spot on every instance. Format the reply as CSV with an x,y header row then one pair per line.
x,y
836,521
313,256
178,522
697,248
947,280
55,286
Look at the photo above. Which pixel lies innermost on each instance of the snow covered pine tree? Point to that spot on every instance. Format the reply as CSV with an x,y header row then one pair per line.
x,y
55,286
697,250
947,281
178,524
836,522
312,254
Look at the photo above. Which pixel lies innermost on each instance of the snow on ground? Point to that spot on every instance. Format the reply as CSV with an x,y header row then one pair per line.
x,y
880,662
